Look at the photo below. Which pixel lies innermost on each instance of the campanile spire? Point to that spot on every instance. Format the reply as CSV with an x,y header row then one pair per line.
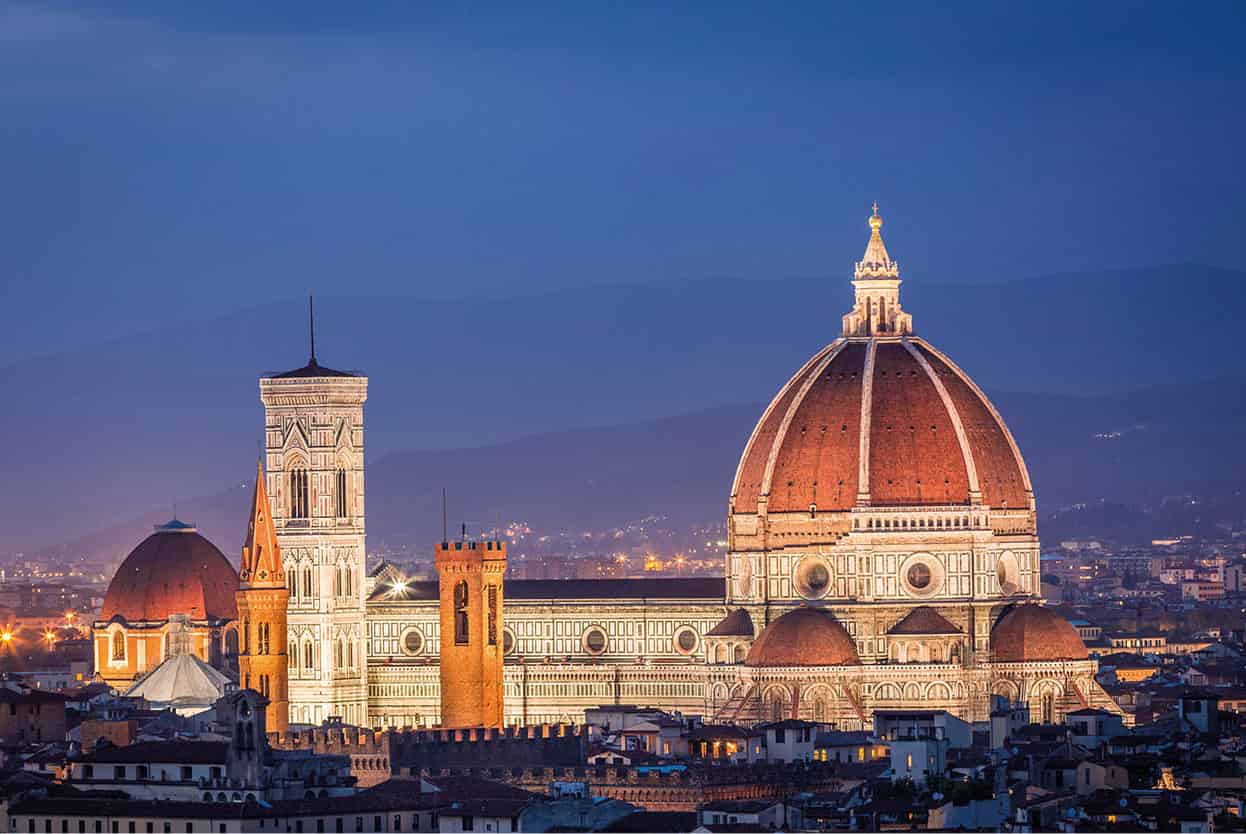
x,y
876,279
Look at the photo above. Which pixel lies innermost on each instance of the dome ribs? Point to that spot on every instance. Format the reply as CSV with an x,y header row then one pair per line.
x,y
1001,476
816,461
752,469
915,457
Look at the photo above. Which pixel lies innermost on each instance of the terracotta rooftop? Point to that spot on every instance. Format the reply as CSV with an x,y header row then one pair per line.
x,y
806,449
804,637
1032,632
173,571
736,624
924,620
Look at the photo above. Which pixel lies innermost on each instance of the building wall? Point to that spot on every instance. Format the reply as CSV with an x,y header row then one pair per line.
x,y
316,424
32,718
146,646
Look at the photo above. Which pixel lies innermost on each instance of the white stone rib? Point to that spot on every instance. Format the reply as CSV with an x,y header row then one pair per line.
x,y
828,357
975,492
748,447
973,386
867,407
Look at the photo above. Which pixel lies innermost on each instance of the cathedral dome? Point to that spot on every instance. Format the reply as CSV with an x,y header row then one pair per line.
x,y
804,637
173,571
879,418
1032,632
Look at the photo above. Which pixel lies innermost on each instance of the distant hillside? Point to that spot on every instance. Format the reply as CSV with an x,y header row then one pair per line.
x,y
139,423
1134,460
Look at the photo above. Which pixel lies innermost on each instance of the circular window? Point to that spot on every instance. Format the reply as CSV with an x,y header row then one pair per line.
x,y
508,641
686,640
813,578
594,640
412,642
921,575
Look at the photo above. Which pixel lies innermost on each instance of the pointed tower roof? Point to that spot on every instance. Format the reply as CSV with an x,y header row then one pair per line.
x,y
876,263
261,555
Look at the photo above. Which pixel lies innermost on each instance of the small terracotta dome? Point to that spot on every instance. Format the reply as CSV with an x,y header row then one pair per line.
x,y
173,571
1032,632
804,637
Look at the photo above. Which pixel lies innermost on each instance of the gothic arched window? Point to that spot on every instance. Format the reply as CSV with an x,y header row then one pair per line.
x,y
294,583
299,503
117,645
337,581
308,657
337,654
308,589
460,613
339,490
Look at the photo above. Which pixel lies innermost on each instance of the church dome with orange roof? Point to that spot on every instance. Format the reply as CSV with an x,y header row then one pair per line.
x,y
804,637
175,570
879,418
1028,633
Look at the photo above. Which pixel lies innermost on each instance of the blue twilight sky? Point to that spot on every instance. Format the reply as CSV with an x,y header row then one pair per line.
x,y
169,159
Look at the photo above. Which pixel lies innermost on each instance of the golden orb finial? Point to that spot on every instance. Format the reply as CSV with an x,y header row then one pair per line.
x,y
876,221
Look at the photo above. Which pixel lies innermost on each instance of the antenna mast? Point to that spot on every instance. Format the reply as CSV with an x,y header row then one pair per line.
x,y
444,531
311,324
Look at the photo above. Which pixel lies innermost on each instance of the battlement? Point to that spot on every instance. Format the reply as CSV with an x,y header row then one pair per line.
x,y
489,546
408,749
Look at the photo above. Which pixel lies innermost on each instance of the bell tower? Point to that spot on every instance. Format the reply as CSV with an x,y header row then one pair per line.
x,y
470,577
262,598
313,430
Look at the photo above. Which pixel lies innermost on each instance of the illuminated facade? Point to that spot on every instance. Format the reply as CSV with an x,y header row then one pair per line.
x,y
313,430
882,553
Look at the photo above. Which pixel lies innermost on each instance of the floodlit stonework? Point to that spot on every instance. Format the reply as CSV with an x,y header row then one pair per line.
x,y
313,429
881,499
882,553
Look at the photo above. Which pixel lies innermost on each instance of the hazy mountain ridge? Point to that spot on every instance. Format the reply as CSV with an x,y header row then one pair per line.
x,y
174,412
1088,481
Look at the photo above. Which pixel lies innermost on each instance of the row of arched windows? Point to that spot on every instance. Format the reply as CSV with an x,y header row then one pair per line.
x,y
300,493
344,655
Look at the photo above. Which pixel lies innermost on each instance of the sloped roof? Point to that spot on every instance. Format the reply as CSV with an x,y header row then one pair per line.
x,y
924,620
736,624
181,678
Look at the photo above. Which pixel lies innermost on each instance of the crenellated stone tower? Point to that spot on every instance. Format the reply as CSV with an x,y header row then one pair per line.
x,y
470,577
262,598
313,430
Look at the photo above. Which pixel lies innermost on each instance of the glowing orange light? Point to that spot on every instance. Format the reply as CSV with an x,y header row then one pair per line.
x,y
6,637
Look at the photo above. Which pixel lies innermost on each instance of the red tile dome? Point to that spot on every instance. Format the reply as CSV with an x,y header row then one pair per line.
x,y
882,421
1032,632
804,637
173,571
